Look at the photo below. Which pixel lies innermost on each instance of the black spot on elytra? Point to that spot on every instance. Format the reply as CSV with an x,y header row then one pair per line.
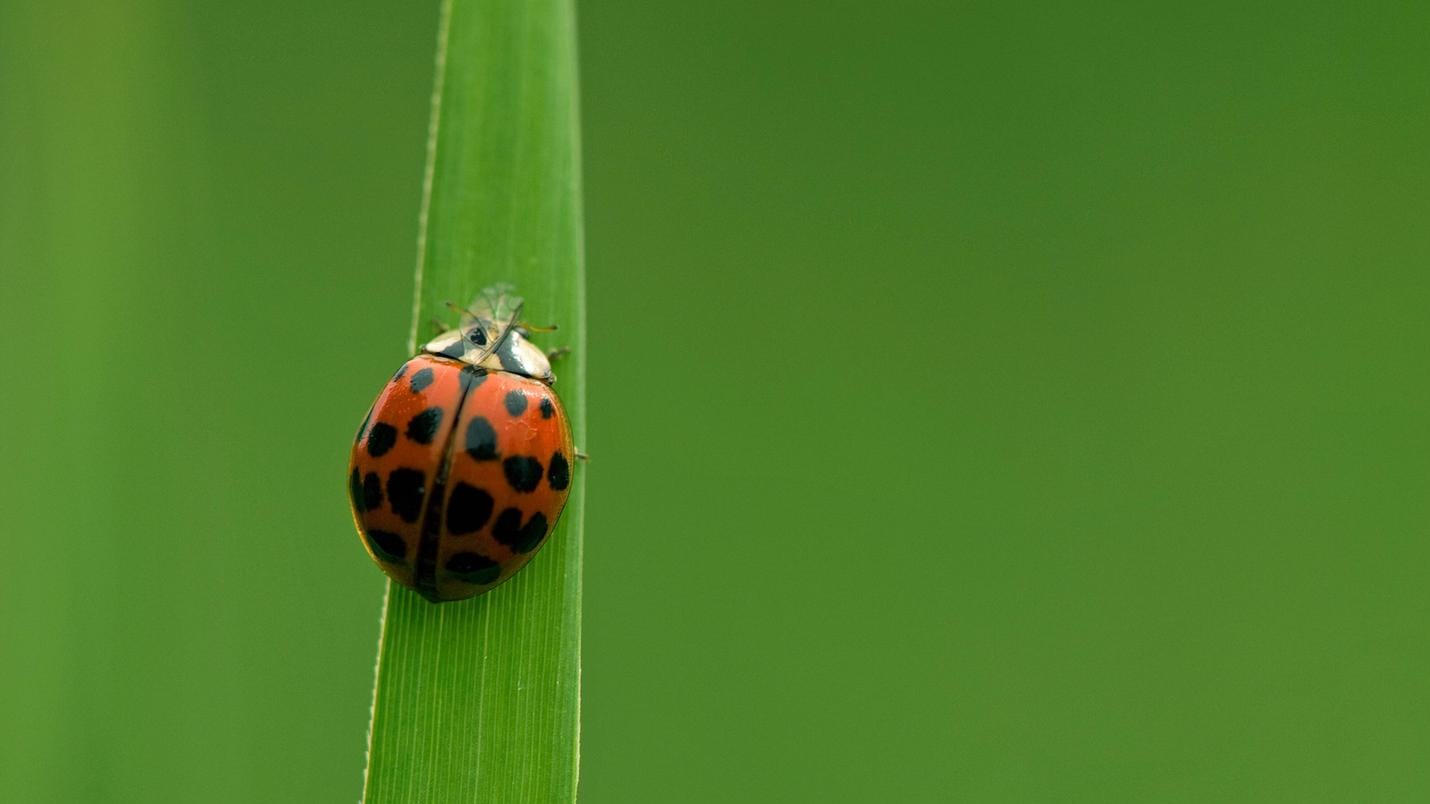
x,y
481,440
547,409
405,488
371,492
400,371
388,546
421,380
455,349
515,402
355,490
472,377
380,439
559,473
523,472
509,531
468,509
423,426
473,568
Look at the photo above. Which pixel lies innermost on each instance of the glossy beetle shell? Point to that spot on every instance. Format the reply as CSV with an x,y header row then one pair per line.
x,y
458,475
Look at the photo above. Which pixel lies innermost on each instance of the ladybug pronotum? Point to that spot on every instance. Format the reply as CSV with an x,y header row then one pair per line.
x,y
462,466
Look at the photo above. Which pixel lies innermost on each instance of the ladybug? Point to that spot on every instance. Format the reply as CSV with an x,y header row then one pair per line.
x,y
462,466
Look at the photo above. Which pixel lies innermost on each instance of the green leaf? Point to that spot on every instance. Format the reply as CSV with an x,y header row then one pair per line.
x,y
480,699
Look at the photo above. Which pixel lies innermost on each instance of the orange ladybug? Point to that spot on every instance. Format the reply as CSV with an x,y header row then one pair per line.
x,y
463,464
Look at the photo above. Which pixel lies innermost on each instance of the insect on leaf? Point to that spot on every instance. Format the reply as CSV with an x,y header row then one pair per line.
x,y
478,700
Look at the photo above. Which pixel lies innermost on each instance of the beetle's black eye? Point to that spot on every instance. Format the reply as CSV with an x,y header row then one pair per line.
x,y
478,336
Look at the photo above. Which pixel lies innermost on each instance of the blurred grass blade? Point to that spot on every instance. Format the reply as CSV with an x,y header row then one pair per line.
x,y
479,700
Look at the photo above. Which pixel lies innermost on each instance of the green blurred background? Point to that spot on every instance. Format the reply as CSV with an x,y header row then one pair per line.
x,y
988,402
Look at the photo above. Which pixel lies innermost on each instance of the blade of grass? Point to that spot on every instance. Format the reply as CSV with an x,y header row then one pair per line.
x,y
480,700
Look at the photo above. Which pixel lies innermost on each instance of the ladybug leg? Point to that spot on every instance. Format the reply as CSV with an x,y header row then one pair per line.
x,y
558,352
581,456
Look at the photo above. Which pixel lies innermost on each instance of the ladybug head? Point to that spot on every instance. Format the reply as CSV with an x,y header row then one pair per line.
x,y
492,336
481,346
